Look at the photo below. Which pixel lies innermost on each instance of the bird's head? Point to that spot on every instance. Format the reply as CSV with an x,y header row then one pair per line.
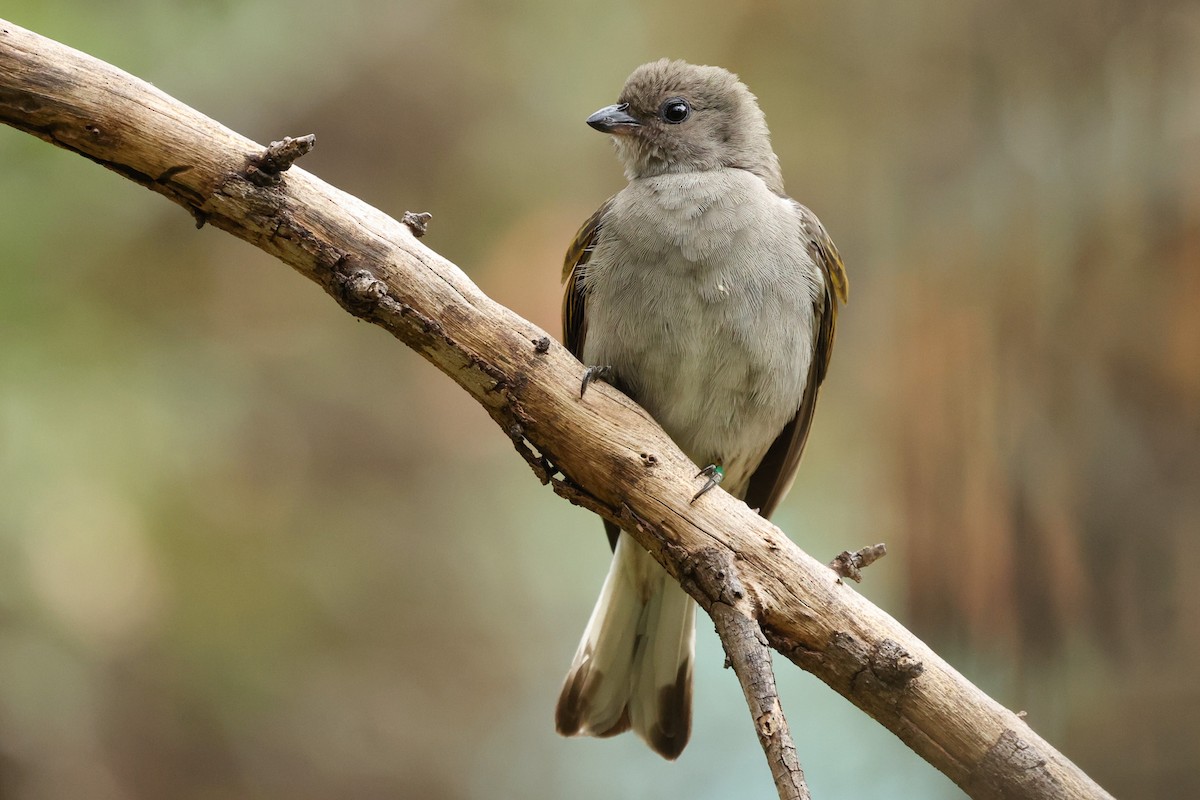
x,y
678,117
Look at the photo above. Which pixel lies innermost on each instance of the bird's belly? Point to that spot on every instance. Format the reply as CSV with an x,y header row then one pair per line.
x,y
718,416
721,366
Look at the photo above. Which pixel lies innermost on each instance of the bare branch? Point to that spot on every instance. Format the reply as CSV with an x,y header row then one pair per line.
x,y
747,653
601,451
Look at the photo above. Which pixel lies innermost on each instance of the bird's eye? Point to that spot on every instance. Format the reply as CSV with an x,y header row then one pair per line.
x,y
675,110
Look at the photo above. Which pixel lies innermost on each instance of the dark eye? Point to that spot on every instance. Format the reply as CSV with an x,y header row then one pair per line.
x,y
675,110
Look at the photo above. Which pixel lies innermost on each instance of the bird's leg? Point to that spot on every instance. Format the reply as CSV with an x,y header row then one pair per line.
x,y
715,474
604,373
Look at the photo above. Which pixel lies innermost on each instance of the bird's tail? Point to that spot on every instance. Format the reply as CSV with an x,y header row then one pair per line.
x,y
634,663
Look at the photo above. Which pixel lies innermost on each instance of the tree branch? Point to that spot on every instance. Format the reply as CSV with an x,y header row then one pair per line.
x,y
747,653
603,452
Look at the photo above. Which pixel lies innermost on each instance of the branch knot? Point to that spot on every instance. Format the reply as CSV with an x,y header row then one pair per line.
x,y
362,291
894,666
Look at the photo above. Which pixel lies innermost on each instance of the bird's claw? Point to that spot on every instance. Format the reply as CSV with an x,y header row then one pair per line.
x,y
603,373
715,475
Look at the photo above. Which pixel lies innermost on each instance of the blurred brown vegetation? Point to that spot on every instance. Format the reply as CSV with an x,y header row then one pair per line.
x,y
1048,422
252,548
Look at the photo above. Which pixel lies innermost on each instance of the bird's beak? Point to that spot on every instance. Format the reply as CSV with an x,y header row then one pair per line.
x,y
614,119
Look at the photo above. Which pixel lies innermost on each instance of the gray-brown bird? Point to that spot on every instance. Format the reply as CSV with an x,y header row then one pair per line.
x,y
710,297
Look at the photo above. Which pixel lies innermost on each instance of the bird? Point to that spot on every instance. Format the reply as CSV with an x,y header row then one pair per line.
x,y
710,297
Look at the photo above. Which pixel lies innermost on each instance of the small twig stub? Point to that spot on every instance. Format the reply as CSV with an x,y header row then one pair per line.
x,y
850,565
417,222
267,167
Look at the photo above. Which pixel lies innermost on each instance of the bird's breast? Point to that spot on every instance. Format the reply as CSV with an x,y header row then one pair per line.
x,y
700,296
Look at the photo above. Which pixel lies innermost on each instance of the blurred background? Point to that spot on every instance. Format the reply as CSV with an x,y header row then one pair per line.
x,y
251,547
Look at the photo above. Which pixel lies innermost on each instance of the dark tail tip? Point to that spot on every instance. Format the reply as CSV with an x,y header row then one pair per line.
x,y
673,727
568,715
572,716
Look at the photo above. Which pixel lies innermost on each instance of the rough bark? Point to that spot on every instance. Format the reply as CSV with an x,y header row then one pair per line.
x,y
603,452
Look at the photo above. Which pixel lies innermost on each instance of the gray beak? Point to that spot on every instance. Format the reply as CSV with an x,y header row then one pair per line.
x,y
614,119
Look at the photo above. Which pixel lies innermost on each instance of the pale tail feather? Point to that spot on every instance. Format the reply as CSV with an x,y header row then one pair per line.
x,y
634,663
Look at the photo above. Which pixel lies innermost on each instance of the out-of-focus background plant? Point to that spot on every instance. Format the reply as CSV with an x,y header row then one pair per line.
x,y
250,547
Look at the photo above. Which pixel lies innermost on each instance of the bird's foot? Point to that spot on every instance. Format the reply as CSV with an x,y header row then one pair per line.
x,y
715,475
604,373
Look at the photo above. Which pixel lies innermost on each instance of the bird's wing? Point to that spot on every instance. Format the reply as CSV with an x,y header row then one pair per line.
x,y
574,311
774,476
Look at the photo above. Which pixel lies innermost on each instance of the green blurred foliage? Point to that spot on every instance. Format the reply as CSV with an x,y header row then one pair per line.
x,y
250,547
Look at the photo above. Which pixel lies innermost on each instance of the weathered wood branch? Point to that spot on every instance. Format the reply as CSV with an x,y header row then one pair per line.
x,y
747,653
603,452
